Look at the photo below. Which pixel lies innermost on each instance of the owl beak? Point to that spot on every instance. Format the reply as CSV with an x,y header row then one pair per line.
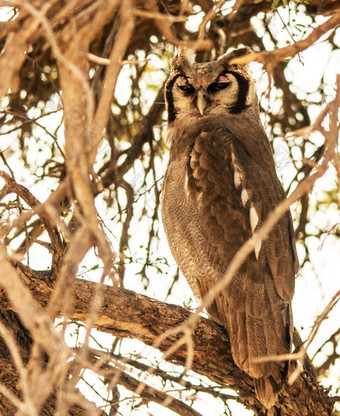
x,y
201,101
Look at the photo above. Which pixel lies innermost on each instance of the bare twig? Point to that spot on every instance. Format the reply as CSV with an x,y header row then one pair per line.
x,y
270,58
207,18
149,393
304,348
121,43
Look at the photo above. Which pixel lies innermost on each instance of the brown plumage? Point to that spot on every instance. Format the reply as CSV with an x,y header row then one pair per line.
x,y
219,187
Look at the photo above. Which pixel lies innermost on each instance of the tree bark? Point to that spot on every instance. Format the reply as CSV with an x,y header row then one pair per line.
x,y
125,313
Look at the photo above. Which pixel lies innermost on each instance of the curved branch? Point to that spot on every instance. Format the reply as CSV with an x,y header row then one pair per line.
x,y
21,191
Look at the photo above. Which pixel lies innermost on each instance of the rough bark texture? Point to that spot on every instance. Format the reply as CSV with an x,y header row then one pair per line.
x,y
127,314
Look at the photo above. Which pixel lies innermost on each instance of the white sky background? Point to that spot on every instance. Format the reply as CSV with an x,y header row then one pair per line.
x,y
310,298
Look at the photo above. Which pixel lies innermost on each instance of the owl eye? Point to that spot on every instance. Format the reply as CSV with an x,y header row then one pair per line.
x,y
218,86
187,88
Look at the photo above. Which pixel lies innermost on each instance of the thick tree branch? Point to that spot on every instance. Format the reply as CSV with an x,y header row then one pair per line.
x,y
127,314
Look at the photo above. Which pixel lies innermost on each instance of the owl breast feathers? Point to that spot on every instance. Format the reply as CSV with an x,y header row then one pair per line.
x,y
219,188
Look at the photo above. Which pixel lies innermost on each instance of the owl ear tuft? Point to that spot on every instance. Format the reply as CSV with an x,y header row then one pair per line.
x,y
185,57
187,54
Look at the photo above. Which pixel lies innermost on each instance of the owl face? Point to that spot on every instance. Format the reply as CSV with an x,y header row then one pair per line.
x,y
208,89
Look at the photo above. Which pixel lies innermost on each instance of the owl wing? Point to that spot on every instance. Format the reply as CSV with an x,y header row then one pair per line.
x,y
257,180
235,192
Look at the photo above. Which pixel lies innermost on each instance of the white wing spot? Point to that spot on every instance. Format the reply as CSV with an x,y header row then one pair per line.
x,y
237,180
257,249
233,160
186,186
244,197
237,171
254,218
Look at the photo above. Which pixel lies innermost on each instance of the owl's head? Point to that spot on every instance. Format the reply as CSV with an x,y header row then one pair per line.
x,y
208,88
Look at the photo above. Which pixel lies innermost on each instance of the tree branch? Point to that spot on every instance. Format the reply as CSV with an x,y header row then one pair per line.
x,y
151,394
127,314
271,58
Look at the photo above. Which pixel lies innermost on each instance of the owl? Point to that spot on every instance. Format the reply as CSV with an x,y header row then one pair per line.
x,y
219,187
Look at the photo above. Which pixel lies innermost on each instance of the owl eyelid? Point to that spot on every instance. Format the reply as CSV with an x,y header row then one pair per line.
x,y
218,86
187,88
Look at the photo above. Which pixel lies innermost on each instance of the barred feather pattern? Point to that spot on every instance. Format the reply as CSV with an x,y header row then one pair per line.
x,y
207,220
219,188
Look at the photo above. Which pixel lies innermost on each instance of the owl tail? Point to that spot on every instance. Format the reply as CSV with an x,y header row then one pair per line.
x,y
266,391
